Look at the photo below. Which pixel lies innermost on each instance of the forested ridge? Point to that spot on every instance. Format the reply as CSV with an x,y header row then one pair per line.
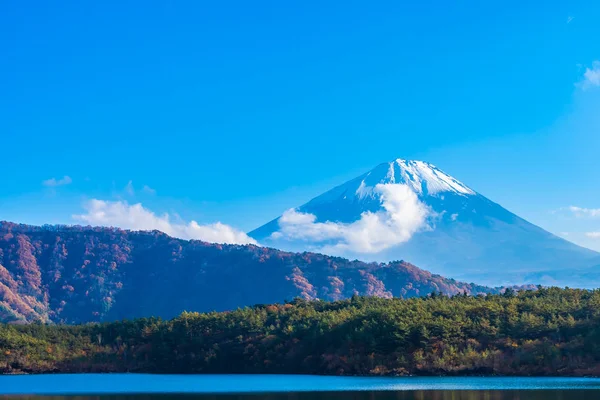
x,y
549,331
75,274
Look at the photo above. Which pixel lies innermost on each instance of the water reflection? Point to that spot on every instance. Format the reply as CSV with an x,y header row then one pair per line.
x,y
403,395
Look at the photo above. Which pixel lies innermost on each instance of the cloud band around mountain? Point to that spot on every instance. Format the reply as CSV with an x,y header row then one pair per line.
x,y
402,215
135,217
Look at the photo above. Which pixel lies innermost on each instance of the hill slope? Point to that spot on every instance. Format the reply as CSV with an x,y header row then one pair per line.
x,y
411,210
82,274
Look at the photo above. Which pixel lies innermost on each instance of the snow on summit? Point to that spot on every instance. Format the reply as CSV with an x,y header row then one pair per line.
x,y
423,178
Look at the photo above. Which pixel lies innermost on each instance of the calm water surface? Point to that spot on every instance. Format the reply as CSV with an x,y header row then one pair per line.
x,y
295,387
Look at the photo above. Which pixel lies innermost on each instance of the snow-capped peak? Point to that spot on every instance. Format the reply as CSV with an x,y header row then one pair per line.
x,y
423,178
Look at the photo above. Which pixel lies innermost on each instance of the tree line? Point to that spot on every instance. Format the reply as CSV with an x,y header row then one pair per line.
x,y
549,331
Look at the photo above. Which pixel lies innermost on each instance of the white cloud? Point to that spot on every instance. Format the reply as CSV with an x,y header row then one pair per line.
x,y
591,76
135,217
570,19
402,216
148,190
53,182
593,235
580,212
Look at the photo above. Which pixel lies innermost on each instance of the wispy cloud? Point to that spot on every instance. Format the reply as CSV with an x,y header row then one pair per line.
x,y
129,189
593,235
570,19
148,190
580,212
136,217
402,215
53,182
591,76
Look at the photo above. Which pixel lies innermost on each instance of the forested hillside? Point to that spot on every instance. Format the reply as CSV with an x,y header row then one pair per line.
x,y
82,274
544,332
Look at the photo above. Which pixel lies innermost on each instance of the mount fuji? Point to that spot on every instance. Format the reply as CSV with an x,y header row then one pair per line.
x,y
411,210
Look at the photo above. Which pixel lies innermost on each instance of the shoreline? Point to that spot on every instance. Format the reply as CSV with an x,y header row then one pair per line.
x,y
246,374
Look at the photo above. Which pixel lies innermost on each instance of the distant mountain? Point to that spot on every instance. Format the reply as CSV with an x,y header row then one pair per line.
x,y
424,215
81,274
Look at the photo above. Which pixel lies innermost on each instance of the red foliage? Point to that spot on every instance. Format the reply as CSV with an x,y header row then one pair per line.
x,y
81,274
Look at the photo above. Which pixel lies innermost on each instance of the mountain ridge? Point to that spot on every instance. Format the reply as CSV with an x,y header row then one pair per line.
x,y
74,274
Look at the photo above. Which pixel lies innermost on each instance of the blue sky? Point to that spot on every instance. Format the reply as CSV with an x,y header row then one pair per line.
x,y
236,111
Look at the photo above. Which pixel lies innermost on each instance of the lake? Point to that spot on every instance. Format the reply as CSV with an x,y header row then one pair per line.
x,y
292,387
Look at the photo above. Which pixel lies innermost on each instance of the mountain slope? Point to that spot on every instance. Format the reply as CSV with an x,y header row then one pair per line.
x,y
464,235
82,274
